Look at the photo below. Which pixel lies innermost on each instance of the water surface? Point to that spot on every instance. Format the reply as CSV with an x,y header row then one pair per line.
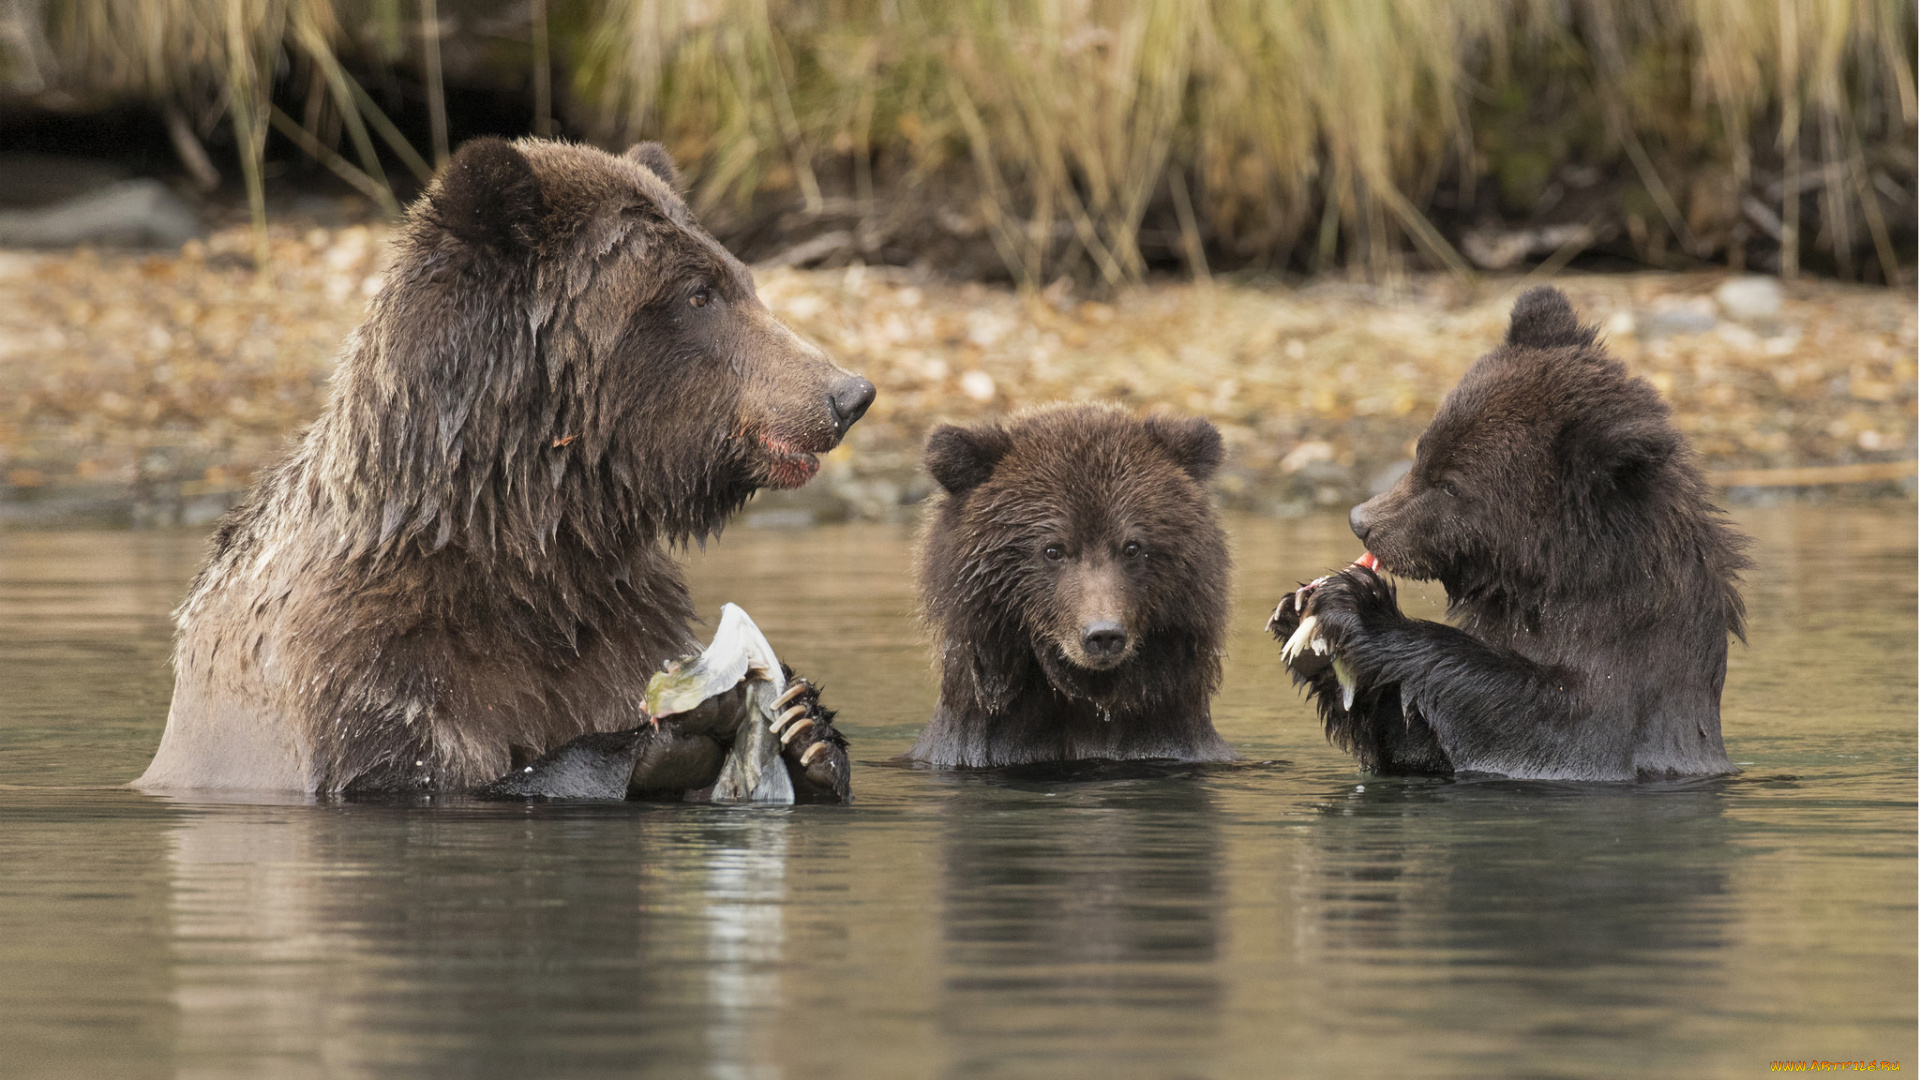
x,y
1288,916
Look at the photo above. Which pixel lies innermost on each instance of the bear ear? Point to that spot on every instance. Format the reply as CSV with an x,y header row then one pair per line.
x,y
1623,454
489,196
1194,443
1543,319
960,459
657,160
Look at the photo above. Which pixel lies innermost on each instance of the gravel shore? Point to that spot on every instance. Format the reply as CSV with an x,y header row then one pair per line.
x,y
147,389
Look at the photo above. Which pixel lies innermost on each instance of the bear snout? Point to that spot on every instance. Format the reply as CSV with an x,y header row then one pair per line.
x,y
847,401
1092,630
1360,519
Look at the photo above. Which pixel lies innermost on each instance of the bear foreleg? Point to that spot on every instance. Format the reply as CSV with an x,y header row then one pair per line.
x,y
1374,728
685,754
1491,709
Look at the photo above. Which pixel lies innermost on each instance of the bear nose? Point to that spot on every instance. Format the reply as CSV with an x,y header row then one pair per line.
x,y
1103,638
848,402
1357,521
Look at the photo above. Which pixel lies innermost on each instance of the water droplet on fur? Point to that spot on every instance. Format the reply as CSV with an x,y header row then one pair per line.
x,y
1106,715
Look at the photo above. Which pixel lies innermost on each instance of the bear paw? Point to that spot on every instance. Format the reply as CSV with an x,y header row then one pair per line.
x,y
1351,605
1286,615
815,752
1302,646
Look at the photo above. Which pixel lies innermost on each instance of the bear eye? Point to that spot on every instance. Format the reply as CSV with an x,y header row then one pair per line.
x,y
1054,552
1132,550
701,297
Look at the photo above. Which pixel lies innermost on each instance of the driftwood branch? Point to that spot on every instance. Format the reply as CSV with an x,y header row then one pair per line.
x,y
1813,475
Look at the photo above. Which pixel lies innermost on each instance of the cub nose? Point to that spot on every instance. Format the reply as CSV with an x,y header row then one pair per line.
x,y
1104,638
1360,521
848,402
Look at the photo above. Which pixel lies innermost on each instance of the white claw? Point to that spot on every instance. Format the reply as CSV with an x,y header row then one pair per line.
x,y
799,687
1345,678
1275,617
813,751
782,720
1291,650
799,726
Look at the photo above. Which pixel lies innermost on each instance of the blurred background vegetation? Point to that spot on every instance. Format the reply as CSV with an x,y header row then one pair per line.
x,y
1098,139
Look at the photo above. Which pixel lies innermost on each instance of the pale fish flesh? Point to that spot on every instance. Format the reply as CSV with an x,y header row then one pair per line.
x,y
753,771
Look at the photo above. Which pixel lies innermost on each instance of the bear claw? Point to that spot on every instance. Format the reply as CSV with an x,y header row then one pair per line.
x,y
799,687
799,726
813,752
1302,635
1279,612
787,717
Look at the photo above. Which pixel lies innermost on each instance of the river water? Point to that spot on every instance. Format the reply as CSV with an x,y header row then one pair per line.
x,y
1286,916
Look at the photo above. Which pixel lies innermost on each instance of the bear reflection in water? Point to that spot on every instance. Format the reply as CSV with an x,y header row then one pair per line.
x,y
1079,900
1592,582
1076,582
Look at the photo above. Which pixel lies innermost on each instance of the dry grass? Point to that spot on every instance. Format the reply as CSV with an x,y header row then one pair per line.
x,y
1286,131
1316,124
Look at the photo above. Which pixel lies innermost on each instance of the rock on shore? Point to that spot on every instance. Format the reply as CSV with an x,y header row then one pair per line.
x,y
149,388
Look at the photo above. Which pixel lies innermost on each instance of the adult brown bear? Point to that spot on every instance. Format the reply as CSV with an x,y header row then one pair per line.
x,y
1076,582
466,560
1592,581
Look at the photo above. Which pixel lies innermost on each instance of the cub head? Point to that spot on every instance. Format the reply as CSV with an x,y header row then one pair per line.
x,y
1079,536
563,346
1538,469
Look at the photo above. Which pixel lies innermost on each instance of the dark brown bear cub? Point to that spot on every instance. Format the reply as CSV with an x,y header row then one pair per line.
x,y
1591,582
1076,584
467,561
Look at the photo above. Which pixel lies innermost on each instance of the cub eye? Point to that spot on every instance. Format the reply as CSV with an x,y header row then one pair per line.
x,y
701,297
1132,550
1054,552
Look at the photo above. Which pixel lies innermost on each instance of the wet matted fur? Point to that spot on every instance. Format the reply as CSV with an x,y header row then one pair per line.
x,y
466,561
1592,583
1075,581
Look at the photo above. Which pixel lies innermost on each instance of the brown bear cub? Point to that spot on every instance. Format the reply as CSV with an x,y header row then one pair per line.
x,y
1592,583
1075,581
466,562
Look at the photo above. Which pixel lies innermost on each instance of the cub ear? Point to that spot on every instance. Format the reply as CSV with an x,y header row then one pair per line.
x,y
1624,454
960,459
1194,443
1543,319
489,196
657,160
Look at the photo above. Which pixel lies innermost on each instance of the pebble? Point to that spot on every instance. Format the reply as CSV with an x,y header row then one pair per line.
x,y
190,370
1676,315
1750,299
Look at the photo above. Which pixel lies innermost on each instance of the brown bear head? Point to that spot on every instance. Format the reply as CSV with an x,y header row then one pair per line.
x,y
1540,471
561,352
1082,537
